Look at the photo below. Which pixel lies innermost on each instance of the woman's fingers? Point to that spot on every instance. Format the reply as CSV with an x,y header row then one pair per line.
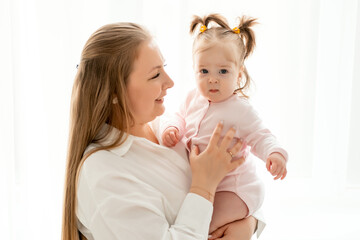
x,y
228,138
218,232
216,135
235,163
194,151
237,147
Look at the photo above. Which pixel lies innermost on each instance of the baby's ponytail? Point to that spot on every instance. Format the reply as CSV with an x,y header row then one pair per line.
x,y
247,34
195,22
206,20
218,19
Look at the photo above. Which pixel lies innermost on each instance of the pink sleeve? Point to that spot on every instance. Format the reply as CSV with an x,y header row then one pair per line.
x,y
261,140
178,119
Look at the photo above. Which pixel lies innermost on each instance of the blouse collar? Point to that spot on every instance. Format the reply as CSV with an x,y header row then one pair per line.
x,y
112,136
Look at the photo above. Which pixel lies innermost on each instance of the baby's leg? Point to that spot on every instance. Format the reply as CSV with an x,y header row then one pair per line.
x,y
228,207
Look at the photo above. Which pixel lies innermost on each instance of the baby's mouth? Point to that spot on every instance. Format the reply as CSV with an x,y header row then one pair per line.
x,y
214,90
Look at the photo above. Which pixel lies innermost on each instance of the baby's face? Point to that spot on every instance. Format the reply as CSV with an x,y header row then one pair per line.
x,y
216,71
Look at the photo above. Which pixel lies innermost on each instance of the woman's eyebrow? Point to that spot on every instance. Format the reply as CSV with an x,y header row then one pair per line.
x,y
156,67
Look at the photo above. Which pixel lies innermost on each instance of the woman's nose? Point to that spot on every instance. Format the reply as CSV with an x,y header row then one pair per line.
x,y
169,83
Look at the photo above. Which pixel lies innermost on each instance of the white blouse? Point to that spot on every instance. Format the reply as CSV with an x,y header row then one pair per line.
x,y
140,191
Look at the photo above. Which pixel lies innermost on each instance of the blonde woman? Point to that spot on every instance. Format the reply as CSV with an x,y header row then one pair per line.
x,y
120,183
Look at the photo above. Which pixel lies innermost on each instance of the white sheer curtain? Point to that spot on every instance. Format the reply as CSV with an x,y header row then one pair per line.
x,y
306,80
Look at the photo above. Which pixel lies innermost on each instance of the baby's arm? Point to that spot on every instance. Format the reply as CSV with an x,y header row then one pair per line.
x,y
173,128
263,143
170,137
276,165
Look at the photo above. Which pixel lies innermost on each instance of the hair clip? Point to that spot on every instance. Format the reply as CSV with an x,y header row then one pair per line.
x,y
236,30
203,28
77,66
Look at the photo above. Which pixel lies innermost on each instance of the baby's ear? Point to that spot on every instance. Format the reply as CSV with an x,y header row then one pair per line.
x,y
241,71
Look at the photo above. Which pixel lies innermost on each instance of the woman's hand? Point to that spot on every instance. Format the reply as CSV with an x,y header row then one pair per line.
x,y
211,166
240,230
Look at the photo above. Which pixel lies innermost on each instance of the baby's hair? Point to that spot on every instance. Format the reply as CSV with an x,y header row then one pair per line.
x,y
244,40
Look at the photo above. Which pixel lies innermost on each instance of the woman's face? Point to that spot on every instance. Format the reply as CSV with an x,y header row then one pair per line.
x,y
147,84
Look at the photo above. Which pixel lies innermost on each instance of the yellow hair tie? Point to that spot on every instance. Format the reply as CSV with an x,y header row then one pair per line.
x,y
236,30
203,28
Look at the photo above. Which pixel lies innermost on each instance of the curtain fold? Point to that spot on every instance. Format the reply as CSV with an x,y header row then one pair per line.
x,y
353,176
6,124
335,75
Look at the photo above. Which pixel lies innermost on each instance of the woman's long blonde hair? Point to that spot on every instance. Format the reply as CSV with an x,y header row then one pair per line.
x,y
99,96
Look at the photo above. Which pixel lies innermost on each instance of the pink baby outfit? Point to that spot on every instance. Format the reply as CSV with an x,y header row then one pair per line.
x,y
196,122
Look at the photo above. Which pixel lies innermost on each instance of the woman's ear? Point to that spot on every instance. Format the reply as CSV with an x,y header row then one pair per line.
x,y
115,99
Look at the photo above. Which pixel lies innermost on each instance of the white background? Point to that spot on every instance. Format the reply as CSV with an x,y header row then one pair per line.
x,y
306,75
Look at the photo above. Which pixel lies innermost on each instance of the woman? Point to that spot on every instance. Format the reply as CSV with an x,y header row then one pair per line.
x,y
121,184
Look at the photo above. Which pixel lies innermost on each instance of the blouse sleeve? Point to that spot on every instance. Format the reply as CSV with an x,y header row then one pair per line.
x,y
113,206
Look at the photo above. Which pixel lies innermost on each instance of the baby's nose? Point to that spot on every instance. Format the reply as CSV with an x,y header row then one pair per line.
x,y
213,79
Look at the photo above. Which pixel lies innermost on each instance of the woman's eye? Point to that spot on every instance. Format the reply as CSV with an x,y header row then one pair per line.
x,y
156,76
223,71
204,71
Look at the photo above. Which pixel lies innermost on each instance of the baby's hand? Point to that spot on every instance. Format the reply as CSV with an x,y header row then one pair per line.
x,y
276,165
170,136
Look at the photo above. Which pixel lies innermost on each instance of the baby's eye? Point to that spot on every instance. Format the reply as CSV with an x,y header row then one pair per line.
x,y
223,71
204,71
